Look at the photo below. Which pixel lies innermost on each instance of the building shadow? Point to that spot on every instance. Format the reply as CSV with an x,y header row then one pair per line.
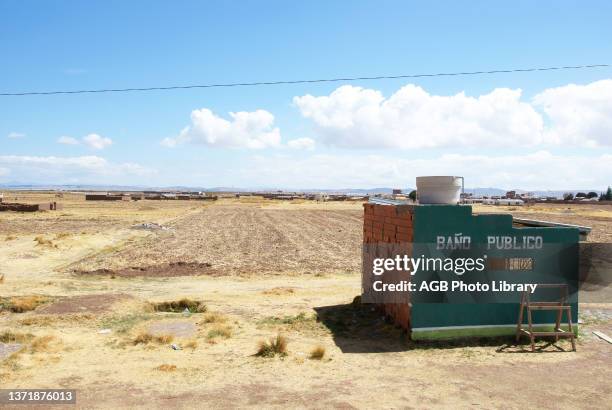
x,y
362,328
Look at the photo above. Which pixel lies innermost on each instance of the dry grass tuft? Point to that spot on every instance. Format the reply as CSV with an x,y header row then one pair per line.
x,y
21,304
164,339
178,306
10,237
191,344
317,353
276,346
145,338
166,368
214,317
1,277
62,235
8,336
302,322
223,331
41,241
279,291
42,344
37,321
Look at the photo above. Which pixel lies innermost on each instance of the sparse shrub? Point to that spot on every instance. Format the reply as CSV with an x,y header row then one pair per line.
x,y
220,331
276,346
317,353
178,306
166,368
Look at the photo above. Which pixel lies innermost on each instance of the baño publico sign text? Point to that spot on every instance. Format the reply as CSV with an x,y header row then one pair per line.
x,y
458,268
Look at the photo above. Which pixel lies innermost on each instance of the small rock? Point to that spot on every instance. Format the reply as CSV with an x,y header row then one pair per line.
x,y
175,346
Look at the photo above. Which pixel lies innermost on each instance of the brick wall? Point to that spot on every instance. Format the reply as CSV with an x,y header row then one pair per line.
x,y
387,223
384,225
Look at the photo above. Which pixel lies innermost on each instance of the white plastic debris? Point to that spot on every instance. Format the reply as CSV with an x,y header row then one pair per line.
x,y
104,331
151,226
602,336
175,346
186,312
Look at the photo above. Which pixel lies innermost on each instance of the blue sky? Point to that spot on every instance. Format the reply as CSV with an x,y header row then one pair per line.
x,y
551,135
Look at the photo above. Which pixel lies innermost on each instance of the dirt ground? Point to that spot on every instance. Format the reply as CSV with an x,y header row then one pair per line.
x,y
262,268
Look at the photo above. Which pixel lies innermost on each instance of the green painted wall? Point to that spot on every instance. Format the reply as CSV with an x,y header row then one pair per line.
x,y
556,263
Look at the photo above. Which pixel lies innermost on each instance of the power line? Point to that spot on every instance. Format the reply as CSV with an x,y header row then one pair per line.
x,y
326,80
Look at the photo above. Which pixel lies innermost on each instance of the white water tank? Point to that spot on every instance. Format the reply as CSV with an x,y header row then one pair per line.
x,y
439,189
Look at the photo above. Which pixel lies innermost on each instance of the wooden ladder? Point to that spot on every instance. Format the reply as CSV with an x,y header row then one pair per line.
x,y
559,306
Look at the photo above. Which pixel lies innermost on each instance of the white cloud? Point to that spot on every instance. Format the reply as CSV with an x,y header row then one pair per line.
x,y
96,141
301,143
90,168
169,142
354,117
93,141
67,140
579,114
15,135
536,170
244,130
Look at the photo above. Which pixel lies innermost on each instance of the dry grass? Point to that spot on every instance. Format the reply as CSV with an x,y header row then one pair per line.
x,y
214,317
62,235
35,344
317,353
10,237
41,241
191,344
220,331
21,304
166,368
42,344
279,291
1,278
37,321
8,336
302,322
276,346
125,323
146,338
178,306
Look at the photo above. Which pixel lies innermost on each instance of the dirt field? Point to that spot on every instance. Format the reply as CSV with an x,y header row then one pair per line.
x,y
94,281
597,217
